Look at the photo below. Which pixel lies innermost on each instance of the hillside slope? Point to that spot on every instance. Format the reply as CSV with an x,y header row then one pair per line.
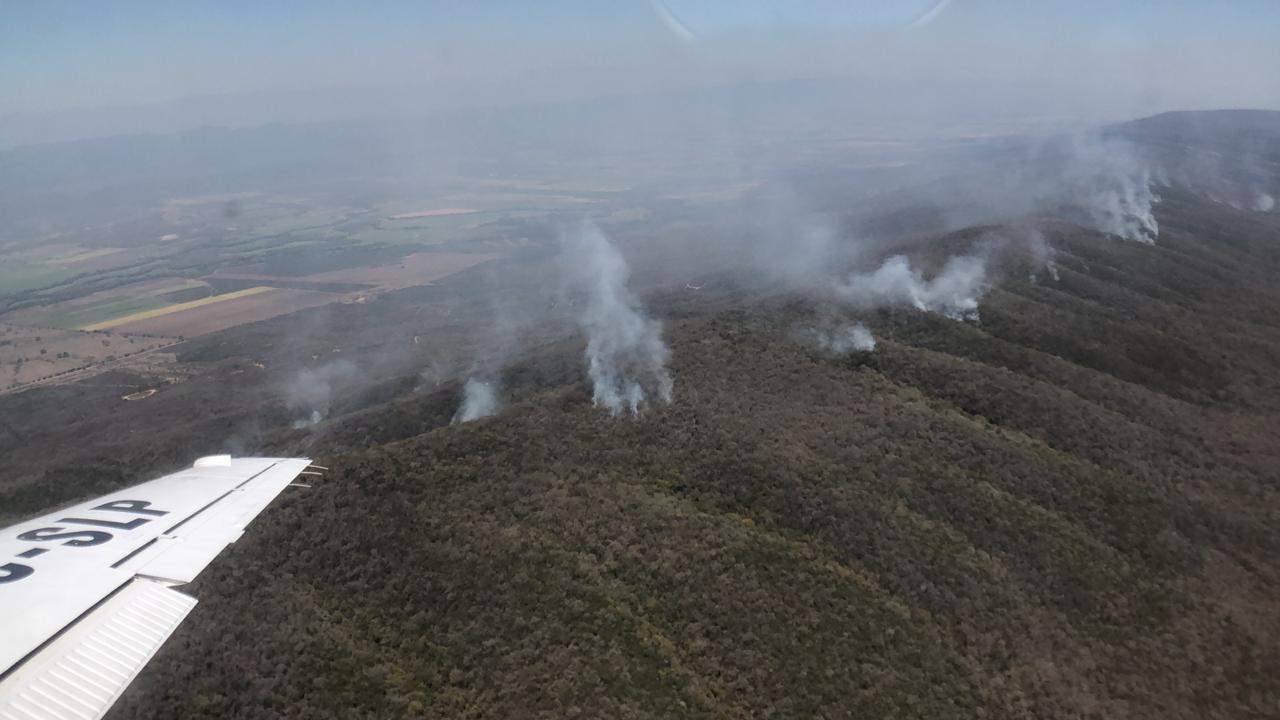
x,y
1065,510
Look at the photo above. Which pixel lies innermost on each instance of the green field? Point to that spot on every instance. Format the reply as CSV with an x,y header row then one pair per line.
x,y
260,231
306,220
81,316
19,278
456,221
435,229
386,234
255,250
167,308
81,255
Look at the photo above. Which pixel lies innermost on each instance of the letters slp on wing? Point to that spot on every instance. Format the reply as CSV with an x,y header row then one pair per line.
x,y
140,510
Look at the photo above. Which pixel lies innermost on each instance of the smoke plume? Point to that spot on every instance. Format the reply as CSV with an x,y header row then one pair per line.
x,y
1121,203
954,292
310,391
479,399
1101,183
851,338
1042,254
626,356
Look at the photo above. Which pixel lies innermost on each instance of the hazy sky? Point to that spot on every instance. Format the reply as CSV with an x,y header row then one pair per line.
x,y
1168,53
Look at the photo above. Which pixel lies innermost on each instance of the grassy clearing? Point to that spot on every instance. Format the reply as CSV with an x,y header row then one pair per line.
x,y
89,315
400,236
157,312
126,300
454,221
83,256
433,229
271,245
308,220
19,278
185,284
433,213
559,187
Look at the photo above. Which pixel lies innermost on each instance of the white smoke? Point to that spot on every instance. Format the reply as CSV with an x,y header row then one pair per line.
x,y
852,338
1103,183
314,418
1112,186
439,369
810,244
954,292
1042,254
311,390
626,357
479,399
1122,205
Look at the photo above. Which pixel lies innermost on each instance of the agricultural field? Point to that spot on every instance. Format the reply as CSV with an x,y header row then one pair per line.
x,y
415,269
175,308
438,227
79,256
303,221
225,311
246,293
200,264
17,278
100,315
102,307
194,237
432,213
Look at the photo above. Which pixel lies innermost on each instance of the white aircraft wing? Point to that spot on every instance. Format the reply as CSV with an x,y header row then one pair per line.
x,y
86,593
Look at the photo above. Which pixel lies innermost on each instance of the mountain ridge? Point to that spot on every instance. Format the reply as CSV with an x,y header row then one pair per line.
x,y
1018,517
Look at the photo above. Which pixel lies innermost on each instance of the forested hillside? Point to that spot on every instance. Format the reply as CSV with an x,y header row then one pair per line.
x,y
1066,508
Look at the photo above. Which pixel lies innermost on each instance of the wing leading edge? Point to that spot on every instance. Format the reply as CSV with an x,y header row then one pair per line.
x,y
86,593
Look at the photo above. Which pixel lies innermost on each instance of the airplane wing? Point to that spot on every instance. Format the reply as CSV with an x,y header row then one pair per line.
x,y
86,593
